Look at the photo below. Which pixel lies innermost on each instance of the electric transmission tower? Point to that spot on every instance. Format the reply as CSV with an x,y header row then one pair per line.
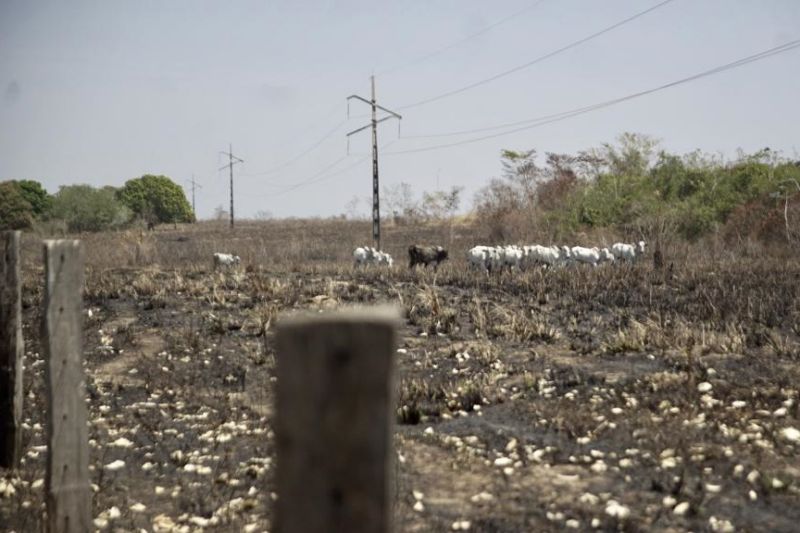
x,y
194,186
376,204
232,160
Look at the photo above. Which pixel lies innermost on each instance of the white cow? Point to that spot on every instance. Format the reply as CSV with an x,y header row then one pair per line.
x,y
362,256
382,258
511,257
477,257
628,252
544,255
606,256
590,256
225,260
366,255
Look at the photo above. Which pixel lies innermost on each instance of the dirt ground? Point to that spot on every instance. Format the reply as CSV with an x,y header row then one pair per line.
x,y
620,398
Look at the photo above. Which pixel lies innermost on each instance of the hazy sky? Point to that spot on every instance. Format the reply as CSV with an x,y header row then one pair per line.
x,y
100,92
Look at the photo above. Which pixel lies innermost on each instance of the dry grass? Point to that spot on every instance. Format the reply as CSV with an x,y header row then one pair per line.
x,y
550,371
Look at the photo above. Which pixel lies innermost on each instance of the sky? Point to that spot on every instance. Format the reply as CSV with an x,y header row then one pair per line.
x,y
100,92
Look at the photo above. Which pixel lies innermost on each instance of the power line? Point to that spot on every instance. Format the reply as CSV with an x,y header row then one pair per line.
x,y
311,179
305,152
538,59
461,41
548,119
324,176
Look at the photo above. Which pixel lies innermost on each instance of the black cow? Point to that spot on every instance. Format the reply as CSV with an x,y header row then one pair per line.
x,y
425,255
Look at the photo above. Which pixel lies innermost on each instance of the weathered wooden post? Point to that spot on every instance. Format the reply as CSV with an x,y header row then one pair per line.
x,y
11,350
334,412
69,498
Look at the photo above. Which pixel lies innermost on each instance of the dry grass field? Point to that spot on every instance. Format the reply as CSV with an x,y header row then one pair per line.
x,y
619,398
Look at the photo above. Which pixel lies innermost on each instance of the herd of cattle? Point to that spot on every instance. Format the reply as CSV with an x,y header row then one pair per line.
x,y
512,257
490,258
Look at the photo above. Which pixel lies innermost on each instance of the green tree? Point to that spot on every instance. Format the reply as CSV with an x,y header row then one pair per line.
x,y
15,211
85,208
36,195
156,199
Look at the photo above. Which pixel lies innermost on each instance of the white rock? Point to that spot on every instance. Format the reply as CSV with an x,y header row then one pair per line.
x,y
681,508
7,490
713,489
704,386
669,462
198,521
428,431
599,466
572,523
114,465
617,510
589,498
669,501
719,525
223,437
122,442
738,404
790,434
418,495
461,525
138,508
482,497
503,461
419,506
753,476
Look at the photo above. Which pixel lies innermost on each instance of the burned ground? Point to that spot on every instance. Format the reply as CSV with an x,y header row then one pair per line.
x,y
616,398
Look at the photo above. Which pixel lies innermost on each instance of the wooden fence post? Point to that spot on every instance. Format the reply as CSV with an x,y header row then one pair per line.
x,y
334,409
69,497
11,350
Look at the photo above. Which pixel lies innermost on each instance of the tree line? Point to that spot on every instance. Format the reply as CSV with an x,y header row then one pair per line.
x,y
632,186
148,199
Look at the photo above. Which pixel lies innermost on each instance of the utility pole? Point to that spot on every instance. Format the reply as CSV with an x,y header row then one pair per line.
x,y
198,186
376,205
232,161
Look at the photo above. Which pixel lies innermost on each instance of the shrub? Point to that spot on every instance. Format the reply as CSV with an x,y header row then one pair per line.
x,y
85,208
15,211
